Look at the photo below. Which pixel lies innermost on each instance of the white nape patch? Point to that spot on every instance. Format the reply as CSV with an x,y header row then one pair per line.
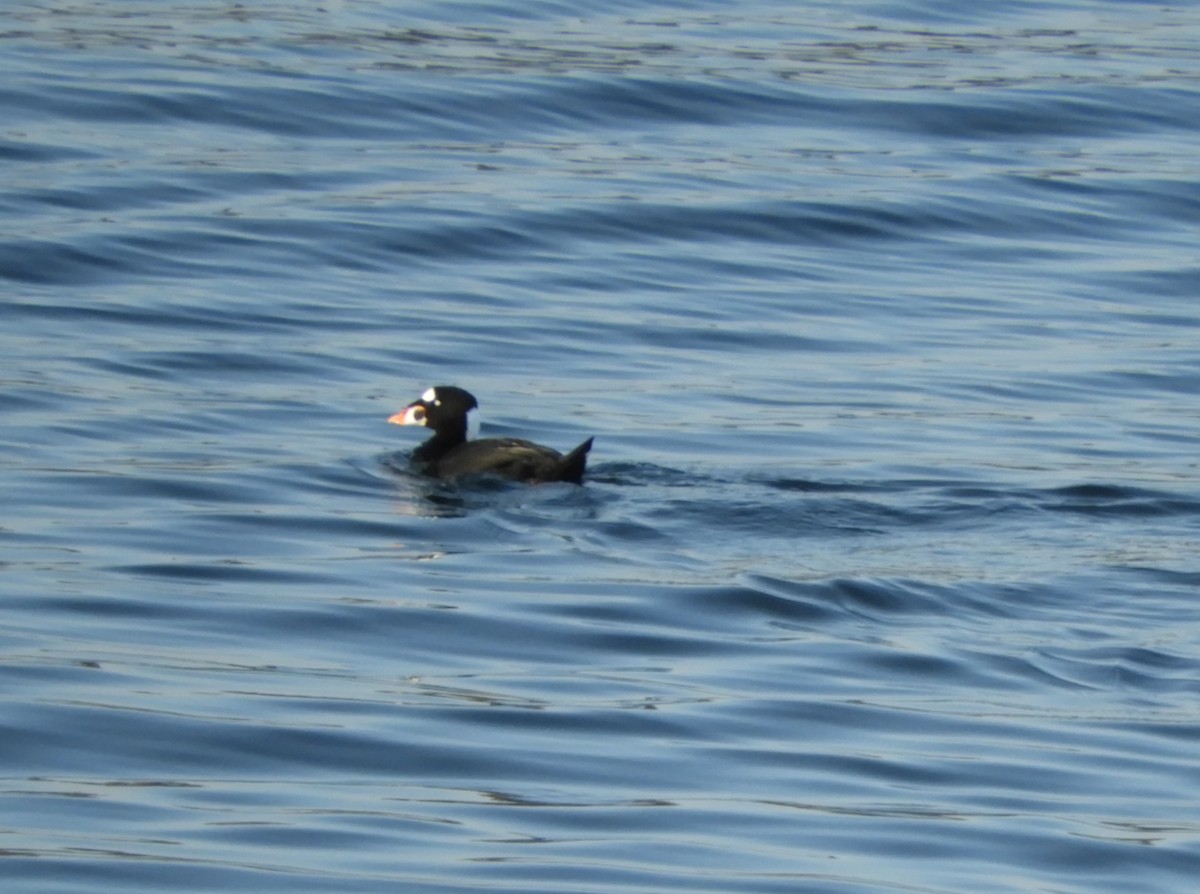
x,y
472,423
430,395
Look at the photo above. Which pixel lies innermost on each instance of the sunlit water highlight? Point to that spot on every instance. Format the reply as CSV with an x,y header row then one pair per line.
x,y
884,319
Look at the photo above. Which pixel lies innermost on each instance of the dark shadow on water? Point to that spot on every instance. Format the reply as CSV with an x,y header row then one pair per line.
x,y
485,492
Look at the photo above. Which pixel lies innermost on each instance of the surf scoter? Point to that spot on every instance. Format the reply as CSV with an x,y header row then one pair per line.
x,y
449,454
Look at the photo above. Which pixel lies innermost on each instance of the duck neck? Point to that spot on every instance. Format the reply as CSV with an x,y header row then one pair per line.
x,y
439,445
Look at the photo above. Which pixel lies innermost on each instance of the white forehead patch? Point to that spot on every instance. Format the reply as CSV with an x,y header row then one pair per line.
x,y
429,396
472,423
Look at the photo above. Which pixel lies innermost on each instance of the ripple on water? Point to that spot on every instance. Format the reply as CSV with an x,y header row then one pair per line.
x,y
882,579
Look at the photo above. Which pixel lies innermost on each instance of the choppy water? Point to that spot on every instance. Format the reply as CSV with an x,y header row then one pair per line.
x,y
884,317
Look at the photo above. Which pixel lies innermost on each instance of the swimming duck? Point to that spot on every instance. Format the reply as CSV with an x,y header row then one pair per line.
x,y
450,411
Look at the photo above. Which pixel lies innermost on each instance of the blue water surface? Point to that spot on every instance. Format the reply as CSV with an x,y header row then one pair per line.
x,y
884,318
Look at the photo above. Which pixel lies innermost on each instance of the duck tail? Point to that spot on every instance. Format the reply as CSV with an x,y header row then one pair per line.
x,y
572,465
